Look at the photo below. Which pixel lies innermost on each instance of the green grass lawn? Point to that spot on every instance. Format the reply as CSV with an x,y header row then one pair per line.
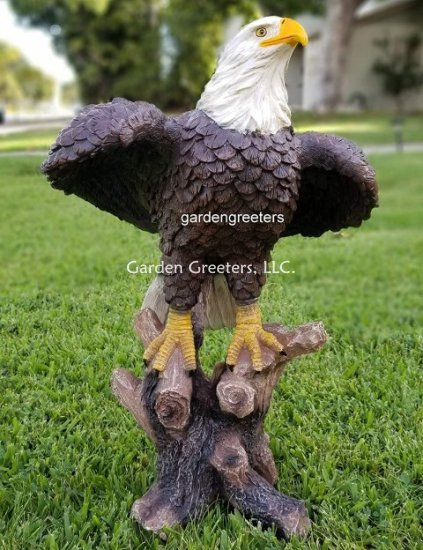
x,y
364,128
345,424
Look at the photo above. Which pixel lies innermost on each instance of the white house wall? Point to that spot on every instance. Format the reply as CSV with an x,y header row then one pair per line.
x,y
313,70
363,53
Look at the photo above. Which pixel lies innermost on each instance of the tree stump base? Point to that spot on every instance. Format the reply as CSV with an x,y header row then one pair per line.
x,y
209,433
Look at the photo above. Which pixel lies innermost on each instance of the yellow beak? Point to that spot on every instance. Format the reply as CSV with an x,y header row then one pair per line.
x,y
291,33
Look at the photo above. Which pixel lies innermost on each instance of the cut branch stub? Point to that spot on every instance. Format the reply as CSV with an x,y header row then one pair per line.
x,y
236,395
242,390
174,389
154,511
130,392
173,394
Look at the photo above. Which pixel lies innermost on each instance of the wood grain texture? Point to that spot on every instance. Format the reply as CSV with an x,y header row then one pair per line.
x,y
210,452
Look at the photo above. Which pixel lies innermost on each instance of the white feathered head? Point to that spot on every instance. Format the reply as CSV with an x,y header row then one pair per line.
x,y
247,90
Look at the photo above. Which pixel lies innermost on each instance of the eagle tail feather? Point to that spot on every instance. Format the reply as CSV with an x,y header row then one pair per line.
x,y
215,308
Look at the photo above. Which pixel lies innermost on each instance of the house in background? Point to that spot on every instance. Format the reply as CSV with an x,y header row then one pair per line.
x,y
376,19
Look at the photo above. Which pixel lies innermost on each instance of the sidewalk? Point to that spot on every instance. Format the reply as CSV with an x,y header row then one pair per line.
x,y
388,148
11,128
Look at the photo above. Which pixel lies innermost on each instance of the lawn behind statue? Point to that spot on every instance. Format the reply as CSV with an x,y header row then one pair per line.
x,y
345,424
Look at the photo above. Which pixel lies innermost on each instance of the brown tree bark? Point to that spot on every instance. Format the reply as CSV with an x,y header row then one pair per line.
x,y
209,433
336,40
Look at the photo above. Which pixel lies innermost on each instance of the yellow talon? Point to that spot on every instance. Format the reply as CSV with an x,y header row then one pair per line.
x,y
177,332
248,333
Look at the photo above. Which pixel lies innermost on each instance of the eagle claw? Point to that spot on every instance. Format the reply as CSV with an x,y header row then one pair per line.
x,y
250,333
177,332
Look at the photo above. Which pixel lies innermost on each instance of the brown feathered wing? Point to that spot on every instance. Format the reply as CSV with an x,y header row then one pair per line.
x,y
337,187
115,156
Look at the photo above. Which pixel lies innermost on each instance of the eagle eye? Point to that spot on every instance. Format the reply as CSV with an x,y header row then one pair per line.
x,y
261,31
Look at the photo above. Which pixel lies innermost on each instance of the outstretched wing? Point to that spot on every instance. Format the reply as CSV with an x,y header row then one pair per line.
x,y
337,187
116,156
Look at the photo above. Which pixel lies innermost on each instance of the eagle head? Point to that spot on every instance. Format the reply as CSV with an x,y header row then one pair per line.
x,y
247,90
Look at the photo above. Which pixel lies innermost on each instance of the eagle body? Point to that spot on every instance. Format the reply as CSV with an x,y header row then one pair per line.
x,y
128,158
148,169
222,171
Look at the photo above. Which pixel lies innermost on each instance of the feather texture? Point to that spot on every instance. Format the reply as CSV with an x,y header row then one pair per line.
x,y
337,185
129,159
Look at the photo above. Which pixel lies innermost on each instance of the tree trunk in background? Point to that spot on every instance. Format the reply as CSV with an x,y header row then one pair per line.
x,y
338,31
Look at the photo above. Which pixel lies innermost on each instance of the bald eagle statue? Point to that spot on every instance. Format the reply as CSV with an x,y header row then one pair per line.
x,y
235,153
